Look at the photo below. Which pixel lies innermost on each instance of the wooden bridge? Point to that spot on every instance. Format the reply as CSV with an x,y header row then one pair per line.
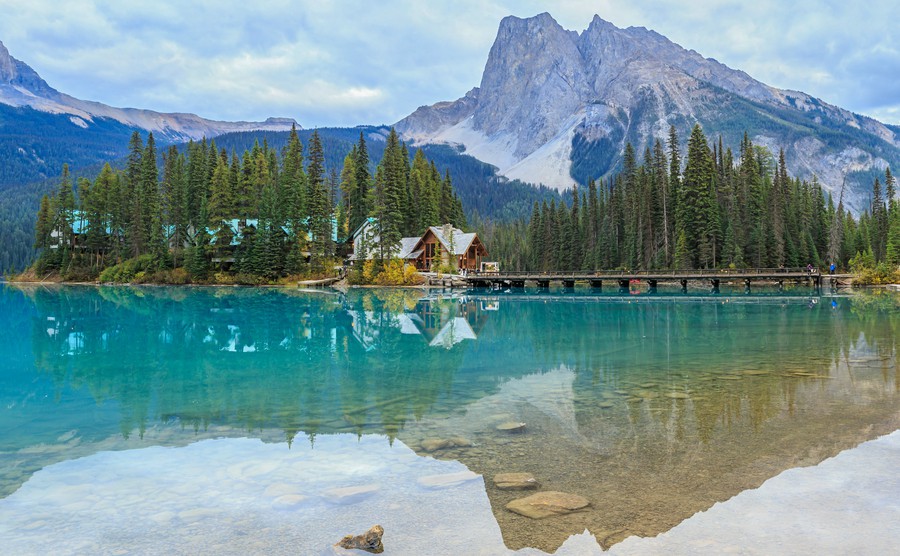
x,y
624,278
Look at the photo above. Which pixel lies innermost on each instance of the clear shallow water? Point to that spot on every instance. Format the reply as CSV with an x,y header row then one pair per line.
x,y
653,408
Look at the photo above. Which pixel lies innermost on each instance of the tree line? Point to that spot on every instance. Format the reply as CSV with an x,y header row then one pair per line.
x,y
180,212
715,210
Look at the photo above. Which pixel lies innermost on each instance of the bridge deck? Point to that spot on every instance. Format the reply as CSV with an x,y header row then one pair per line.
x,y
772,274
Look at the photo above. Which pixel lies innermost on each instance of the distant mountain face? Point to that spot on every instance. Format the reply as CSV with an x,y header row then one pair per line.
x,y
557,107
21,86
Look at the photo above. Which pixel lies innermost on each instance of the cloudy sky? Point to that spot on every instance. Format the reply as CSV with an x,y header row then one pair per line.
x,y
349,62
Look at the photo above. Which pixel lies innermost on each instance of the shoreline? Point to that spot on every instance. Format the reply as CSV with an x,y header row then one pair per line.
x,y
342,284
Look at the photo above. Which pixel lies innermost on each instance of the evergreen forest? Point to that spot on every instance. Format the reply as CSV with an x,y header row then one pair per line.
x,y
172,217
485,195
204,214
709,209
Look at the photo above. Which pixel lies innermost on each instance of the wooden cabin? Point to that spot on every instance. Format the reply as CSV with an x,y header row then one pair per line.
x,y
436,246
439,244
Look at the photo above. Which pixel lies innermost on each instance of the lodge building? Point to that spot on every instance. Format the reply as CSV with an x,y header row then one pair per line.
x,y
439,245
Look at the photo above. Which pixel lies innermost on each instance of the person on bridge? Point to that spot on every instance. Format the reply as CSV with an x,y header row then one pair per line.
x,y
809,268
832,268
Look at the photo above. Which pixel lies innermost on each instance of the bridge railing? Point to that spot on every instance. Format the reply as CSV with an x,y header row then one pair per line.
x,y
712,273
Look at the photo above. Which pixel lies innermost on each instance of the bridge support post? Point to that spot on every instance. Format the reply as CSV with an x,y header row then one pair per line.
x,y
780,285
715,285
597,285
684,286
746,285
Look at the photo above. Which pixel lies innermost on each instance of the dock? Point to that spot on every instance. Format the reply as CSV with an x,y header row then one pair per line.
x,y
624,278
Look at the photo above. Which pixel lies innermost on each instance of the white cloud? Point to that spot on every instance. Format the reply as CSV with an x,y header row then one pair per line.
x,y
354,61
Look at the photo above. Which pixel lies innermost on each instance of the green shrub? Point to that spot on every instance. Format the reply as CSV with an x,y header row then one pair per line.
x,y
131,270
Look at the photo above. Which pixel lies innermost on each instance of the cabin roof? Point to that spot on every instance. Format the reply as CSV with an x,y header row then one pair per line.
x,y
407,244
461,240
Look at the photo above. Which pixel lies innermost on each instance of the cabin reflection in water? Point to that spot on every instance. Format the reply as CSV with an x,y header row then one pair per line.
x,y
442,322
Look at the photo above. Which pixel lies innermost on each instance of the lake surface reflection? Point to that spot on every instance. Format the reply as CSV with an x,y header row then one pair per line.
x,y
652,407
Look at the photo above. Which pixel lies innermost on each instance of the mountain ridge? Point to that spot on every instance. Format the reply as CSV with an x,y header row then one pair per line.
x,y
22,86
551,100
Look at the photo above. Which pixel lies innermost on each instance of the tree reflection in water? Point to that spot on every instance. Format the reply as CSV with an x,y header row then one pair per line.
x,y
653,409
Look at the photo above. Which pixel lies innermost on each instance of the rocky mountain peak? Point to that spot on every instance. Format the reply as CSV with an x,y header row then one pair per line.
x,y
558,107
19,74
7,65
534,73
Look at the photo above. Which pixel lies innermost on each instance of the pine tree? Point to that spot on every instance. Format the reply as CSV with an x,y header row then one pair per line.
x,y
175,201
421,206
889,190
576,247
197,261
695,209
360,198
674,171
535,238
389,195
348,187
42,230
65,213
664,206
134,196
152,217
591,227
892,250
95,215
320,212
880,223
221,207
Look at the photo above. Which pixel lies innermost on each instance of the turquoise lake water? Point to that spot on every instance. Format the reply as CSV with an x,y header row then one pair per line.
x,y
265,420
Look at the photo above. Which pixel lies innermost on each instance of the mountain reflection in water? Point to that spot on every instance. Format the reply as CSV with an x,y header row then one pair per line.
x,y
652,408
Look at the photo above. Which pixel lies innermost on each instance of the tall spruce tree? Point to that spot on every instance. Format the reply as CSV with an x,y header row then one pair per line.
x,y
389,197
317,204
360,198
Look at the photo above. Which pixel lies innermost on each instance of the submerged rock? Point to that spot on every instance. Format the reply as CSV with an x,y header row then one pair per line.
x,y
678,395
547,504
515,481
370,541
435,444
288,501
511,427
447,480
351,494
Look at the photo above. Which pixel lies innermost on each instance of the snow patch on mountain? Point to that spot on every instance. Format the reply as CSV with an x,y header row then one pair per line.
x,y
549,165
497,150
